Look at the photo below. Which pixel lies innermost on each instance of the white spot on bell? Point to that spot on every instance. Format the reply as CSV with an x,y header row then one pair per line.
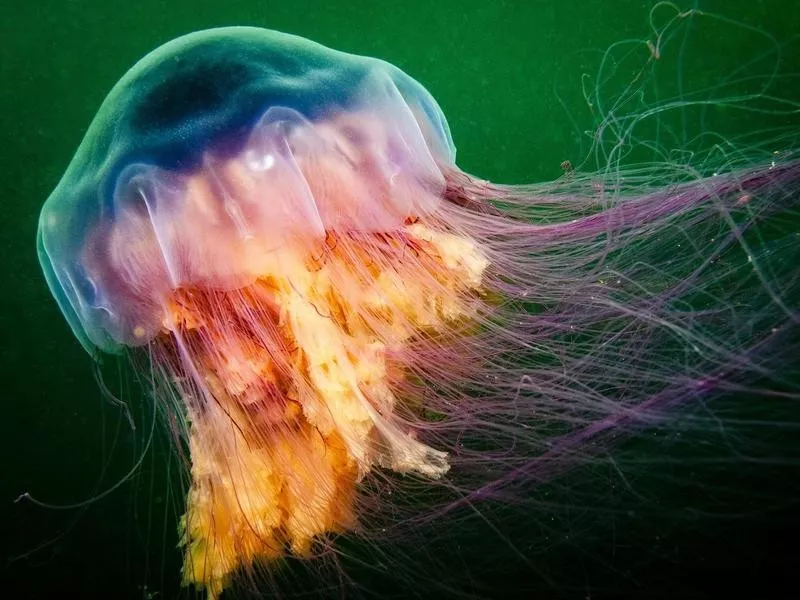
x,y
259,162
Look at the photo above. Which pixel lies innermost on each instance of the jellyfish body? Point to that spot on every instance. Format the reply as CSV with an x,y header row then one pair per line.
x,y
322,294
242,205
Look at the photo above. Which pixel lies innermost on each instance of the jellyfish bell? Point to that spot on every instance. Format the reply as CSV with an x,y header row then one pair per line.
x,y
195,131
282,230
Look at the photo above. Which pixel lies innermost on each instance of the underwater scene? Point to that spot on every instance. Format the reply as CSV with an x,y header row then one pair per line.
x,y
350,300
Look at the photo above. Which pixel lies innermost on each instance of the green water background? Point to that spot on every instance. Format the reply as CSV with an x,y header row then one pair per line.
x,y
507,74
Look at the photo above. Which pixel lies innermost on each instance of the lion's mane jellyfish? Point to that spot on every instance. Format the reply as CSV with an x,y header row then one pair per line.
x,y
278,236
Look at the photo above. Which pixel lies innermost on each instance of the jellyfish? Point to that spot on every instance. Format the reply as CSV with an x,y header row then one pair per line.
x,y
323,305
